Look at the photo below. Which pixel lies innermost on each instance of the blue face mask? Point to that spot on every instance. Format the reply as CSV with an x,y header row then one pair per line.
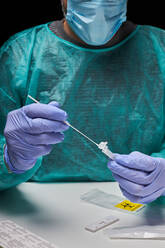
x,y
96,21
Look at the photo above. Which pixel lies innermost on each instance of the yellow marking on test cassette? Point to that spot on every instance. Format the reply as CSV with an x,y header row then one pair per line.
x,y
129,206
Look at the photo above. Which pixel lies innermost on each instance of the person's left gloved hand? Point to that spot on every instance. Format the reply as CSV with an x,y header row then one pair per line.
x,y
141,177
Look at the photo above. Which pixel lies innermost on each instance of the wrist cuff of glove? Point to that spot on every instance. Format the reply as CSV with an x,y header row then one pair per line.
x,y
8,164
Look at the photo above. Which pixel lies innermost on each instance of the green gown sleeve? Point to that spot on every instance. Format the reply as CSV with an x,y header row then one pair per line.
x,y
161,153
14,57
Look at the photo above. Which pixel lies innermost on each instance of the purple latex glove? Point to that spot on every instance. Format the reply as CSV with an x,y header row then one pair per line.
x,y
141,177
30,132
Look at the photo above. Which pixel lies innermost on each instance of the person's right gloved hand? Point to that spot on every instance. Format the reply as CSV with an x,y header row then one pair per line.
x,y
30,132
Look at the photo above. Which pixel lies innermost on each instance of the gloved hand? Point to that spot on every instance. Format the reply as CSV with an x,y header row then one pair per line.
x,y
30,132
141,177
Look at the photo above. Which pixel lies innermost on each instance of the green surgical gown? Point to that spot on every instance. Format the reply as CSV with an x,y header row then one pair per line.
x,y
113,94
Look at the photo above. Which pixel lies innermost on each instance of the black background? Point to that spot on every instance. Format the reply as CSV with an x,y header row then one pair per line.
x,y
17,16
